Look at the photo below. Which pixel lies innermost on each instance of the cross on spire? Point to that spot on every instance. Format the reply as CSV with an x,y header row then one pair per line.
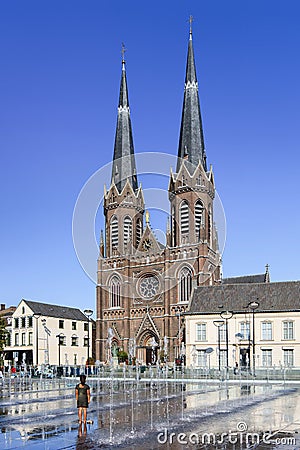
x,y
123,52
191,20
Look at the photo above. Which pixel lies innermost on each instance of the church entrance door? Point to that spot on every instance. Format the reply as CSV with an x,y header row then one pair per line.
x,y
148,355
151,350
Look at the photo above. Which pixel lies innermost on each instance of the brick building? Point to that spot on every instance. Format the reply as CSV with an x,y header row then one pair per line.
x,y
144,286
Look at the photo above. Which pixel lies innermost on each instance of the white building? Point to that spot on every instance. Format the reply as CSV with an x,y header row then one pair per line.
x,y
42,333
264,314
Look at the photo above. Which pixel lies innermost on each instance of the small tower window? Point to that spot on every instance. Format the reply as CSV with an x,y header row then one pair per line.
x,y
138,231
185,284
114,232
199,180
128,198
184,218
198,218
127,229
115,293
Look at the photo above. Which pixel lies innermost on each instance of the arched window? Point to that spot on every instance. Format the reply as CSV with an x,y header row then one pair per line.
x,y
173,227
198,218
184,218
139,231
114,232
115,293
185,284
127,229
209,226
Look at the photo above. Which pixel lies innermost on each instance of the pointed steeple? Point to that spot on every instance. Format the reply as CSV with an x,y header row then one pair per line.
x,y
123,161
101,247
191,141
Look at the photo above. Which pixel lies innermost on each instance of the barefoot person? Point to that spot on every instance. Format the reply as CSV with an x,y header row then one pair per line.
x,y
83,397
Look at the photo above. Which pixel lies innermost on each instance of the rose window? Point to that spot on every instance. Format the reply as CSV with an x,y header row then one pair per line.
x,y
149,287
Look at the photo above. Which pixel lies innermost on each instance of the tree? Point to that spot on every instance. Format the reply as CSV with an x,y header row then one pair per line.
x,y
3,336
122,356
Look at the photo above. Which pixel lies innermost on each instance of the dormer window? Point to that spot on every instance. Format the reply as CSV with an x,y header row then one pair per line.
x,y
199,180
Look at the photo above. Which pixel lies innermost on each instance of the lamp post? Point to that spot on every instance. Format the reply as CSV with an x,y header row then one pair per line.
x,y
179,332
208,351
48,333
37,316
253,305
59,336
226,315
165,349
219,324
88,313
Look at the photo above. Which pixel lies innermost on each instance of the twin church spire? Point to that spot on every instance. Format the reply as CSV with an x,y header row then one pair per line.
x,y
124,167
191,140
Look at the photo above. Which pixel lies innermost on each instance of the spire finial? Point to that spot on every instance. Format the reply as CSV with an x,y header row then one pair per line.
x,y
101,244
191,20
267,274
147,217
123,54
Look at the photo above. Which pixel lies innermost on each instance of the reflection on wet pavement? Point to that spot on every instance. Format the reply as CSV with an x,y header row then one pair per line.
x,y
149,413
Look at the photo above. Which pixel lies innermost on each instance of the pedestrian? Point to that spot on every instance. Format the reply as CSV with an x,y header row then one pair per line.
x,y
83,397
236,369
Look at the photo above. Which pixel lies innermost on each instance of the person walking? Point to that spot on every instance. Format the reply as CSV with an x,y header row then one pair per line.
x,y
83,398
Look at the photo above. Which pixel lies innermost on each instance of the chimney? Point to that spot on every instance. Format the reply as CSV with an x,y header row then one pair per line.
x,y
2,306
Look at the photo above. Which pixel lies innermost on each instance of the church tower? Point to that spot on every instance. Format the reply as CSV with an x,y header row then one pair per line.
x,y
143,286
191,189
123,202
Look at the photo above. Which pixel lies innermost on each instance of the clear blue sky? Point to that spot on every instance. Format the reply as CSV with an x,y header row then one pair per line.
x,y
59,82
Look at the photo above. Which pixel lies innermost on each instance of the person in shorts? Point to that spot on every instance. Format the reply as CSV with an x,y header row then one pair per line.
x,y
83,398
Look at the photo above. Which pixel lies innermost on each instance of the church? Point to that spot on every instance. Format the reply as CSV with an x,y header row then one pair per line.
x,y
144,286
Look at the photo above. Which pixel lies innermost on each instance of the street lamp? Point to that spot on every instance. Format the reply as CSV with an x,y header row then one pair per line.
x,y
219,324
208,351
253,305
59,336
88,313
37,316
179,332
48,333
226,315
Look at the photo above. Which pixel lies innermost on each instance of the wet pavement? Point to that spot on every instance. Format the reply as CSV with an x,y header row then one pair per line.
x,y
150,414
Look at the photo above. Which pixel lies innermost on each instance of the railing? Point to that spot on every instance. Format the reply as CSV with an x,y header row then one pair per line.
x,y
169,371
